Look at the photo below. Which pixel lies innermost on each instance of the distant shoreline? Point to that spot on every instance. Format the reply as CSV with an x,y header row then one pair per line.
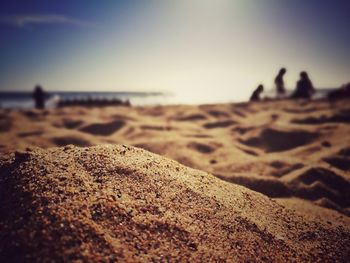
x,y
23,99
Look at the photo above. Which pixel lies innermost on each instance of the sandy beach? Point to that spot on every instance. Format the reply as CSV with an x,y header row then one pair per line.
x,y
265,181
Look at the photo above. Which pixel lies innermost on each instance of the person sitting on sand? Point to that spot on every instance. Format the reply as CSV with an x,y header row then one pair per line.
x,y
256,94
280,83
342,93
39,97
304,87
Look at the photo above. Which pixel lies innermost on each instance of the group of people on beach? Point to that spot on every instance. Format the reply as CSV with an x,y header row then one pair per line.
x,y
304,87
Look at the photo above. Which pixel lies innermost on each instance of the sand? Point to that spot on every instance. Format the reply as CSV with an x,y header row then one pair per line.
x,y
117,202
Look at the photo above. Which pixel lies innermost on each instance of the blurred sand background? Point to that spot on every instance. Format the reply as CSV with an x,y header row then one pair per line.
x,y
295,152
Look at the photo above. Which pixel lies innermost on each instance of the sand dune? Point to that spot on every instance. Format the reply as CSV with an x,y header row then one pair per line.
x,y
122,203
263,146
295,152
274,140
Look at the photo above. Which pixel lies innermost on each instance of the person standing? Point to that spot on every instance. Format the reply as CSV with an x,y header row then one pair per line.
x,y
39,97
279,82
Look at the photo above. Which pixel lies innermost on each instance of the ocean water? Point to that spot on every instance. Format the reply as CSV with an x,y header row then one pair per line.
x,y
24,100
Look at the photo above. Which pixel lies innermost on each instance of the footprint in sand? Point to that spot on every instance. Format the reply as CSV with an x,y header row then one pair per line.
x,y
103,129
192,117
318,183
341,117
282,168
272,140
238,113
28,134
248,151
242,130
218,114
72,124
268,186
341,160
345,152
219,124
155,128
35,115
200,147
199,135
302,111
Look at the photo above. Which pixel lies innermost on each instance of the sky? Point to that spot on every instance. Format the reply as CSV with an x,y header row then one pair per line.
x,y
209,49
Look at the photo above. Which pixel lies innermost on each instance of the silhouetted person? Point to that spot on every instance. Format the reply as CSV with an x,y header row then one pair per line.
x,y
39,97
280,83
342,93
304,87
256,94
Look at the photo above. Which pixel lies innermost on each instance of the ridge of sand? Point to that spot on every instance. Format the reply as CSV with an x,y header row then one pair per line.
x,y
283,149
122,203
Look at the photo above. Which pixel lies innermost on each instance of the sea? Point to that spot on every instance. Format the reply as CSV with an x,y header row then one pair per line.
x,y
24,100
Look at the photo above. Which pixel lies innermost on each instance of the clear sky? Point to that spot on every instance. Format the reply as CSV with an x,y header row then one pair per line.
x,y
209,48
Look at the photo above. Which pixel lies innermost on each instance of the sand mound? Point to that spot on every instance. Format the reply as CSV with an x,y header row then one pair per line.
x,y
271,161
273,140
118,203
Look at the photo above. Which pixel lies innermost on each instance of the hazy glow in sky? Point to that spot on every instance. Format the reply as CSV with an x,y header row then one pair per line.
x,y
217,49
